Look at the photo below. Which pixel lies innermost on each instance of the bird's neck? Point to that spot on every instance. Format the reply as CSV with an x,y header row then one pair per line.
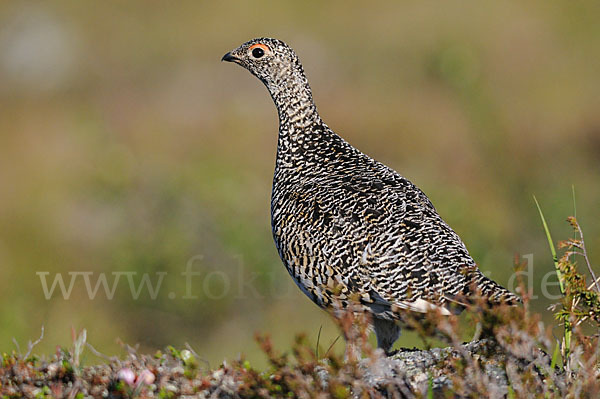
x,y
297,113
293,98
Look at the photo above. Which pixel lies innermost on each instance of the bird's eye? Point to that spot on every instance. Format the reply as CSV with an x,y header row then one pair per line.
x,y
258,52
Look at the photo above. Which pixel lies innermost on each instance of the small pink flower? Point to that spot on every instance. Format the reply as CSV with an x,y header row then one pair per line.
x,y
145,377
126,375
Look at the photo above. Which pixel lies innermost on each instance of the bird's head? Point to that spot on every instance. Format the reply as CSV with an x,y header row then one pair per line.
x,y
278,67
270,60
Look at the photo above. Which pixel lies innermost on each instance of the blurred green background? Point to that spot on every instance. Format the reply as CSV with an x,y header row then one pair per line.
x,y
126,146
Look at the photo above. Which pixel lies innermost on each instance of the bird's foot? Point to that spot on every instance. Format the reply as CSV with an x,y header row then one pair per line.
x,y
391,352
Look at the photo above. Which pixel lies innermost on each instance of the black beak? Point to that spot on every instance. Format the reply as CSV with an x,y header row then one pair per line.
x,y
229,58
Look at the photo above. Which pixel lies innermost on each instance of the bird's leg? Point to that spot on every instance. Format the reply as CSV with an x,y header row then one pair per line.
x,y
352,353
354,341
354,324
387,333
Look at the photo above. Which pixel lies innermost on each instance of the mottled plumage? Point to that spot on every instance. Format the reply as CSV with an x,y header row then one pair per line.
x,y
350,229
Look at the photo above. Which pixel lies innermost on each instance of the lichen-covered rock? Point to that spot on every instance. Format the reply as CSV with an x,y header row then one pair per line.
x,y
461,370
417,371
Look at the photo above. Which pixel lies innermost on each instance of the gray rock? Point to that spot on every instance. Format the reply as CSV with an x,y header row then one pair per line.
x,y
413,372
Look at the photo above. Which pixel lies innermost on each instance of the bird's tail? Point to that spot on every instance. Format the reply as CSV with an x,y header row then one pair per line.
x,y
491,291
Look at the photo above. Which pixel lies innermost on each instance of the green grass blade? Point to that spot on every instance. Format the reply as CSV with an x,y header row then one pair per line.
x,y
555,356
552,248
567,342
318,342
511,393
568,327
574,202
430,387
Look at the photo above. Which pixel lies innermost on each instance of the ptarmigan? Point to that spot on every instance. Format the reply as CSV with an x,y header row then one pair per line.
x,y
349,229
